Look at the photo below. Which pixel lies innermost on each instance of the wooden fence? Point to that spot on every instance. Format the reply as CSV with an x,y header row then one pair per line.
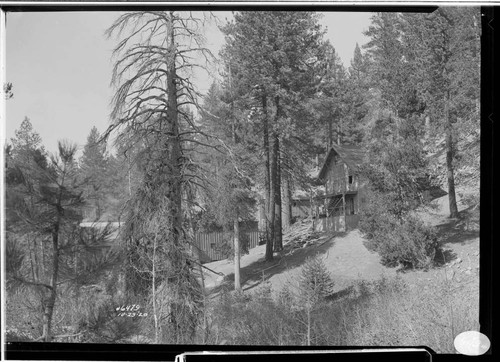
x,y
215,246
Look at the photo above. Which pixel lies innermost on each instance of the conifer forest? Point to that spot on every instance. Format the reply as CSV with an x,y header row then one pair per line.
x,y
300,200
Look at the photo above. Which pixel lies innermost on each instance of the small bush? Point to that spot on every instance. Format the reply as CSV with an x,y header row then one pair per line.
x,y
315,281
411,244
399,239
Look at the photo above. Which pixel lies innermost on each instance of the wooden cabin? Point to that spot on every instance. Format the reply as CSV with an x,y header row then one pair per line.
x,y
344,186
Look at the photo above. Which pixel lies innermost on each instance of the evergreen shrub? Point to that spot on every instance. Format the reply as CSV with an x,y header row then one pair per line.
x,y
411,244
315,281
406,241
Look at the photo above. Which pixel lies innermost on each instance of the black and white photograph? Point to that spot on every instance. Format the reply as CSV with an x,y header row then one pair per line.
x,y
248,177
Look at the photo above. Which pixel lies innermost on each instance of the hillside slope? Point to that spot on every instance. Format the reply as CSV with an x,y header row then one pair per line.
x,y
348,259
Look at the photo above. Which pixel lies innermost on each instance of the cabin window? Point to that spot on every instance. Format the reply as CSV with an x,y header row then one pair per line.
x,y
212,245
350,180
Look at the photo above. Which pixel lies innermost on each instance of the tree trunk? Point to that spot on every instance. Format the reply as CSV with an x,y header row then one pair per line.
x,y
155,310
267,185
197,257
178,273
47,317
449,160
308,325
278,230
42,272
276,182
195,246
287,204
33,258
237,285
427,127
50,299
236,225
262,215
330,135
129,183
272,211
173,144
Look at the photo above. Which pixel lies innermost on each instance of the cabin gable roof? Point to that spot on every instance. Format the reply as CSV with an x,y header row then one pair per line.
x,y
349,154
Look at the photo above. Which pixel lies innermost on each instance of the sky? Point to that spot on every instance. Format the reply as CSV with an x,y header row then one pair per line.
x,y
60,65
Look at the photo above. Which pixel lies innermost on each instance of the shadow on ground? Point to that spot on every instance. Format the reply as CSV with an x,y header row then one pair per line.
x,y
456,232
252,275
444,256
343,293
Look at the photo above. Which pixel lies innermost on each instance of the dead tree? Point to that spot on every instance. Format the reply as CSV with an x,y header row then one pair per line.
x,y
155,57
